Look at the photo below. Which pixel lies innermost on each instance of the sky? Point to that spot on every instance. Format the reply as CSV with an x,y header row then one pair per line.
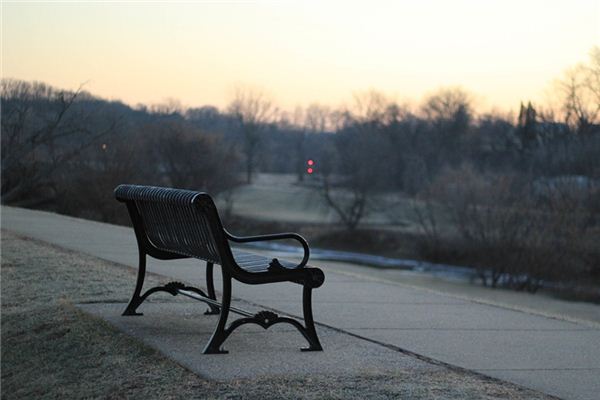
x,y
302,52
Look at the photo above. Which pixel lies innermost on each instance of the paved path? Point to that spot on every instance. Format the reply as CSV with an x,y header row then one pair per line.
x,y
180,330
554,356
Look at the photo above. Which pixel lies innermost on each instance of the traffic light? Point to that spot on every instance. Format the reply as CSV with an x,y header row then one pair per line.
x,y
311,163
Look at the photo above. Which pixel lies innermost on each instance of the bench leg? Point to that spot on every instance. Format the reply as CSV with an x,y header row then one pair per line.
x,y
210,287
262,318
136,299
220,334
311,332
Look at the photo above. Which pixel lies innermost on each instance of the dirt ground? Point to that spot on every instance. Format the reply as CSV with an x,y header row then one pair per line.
x,y
52,350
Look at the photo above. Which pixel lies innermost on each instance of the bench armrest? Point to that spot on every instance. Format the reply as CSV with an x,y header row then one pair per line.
x,y
274,236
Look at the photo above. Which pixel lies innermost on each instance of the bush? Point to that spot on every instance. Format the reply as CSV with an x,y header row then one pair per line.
x,y
508,233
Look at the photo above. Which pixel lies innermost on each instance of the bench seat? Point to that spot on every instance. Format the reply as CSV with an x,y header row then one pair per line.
x,y
255,263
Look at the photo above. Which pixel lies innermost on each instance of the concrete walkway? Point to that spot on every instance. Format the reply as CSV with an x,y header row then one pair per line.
x,y
181,330
554,356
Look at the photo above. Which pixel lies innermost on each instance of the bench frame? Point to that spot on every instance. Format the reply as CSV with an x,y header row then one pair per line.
x,y
308,277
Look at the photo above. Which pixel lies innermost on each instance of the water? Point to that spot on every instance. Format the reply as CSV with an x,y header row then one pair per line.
x,y
447,271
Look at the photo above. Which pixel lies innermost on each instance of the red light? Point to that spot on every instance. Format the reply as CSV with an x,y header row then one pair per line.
x,y
309,170
310,162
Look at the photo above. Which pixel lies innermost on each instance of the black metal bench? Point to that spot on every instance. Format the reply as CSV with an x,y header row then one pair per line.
x,y
173,223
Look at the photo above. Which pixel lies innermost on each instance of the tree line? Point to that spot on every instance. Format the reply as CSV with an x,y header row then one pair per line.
x,y
515,196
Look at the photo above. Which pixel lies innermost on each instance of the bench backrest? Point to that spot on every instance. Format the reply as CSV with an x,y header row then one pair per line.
x,y
176,221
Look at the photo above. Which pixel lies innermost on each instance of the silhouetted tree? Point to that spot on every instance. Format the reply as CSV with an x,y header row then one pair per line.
x,y
189,159
362,156
527,128
579,94
252,110
449,114
42,129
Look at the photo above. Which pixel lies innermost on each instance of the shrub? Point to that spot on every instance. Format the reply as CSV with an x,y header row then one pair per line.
x,y
508,233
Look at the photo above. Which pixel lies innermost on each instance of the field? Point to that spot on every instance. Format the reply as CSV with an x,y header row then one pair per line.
x,y
279,197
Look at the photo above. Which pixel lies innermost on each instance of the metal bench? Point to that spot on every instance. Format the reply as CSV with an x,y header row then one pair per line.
x,y
173,224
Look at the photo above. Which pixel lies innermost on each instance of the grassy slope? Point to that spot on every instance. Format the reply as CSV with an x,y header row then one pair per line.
x,y
52,350
278,197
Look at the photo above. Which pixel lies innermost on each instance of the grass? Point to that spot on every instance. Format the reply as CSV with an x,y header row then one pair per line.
x,y
51,350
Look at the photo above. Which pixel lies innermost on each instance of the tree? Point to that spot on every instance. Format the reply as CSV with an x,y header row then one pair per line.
x,y
356,177
579,91
362,159
252,109
446,104
42,129
120,158
305,122
168,106
190,159
449,113
527,129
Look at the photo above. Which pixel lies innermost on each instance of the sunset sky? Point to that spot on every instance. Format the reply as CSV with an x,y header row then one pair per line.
x,y
300,52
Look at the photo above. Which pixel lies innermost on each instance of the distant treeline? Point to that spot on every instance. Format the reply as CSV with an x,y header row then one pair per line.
x,y
51,136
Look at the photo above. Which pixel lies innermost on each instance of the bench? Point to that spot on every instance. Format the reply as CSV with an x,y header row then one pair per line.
x,y
172,224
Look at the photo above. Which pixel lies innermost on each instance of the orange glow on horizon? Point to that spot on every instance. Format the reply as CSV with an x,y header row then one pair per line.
x,y
502,51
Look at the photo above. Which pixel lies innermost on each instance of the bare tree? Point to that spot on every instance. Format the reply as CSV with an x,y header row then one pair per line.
x,y
370,107
316,117
579,90
253,109
450,113
42,129
305,122
350,204
189,158
593,75
361,159
294,123
117,159
444,104
512,232
168,106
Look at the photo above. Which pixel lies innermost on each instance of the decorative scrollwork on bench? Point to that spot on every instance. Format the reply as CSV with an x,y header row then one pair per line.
x,y
266,317
174,287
